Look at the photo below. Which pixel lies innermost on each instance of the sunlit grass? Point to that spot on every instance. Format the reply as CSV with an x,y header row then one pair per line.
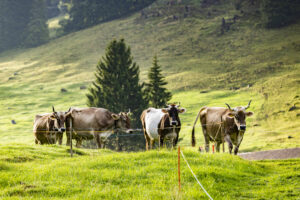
x,y
48,172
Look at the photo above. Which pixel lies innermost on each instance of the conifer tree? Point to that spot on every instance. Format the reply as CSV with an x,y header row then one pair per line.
x,y
117,86
158,95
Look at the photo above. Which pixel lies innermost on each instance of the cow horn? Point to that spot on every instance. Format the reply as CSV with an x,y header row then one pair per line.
x,y
228,106
248,105
53,109
178,104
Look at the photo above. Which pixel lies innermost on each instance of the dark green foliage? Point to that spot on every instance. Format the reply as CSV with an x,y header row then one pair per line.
x,y
22,23
36,32
117,86
157,94
86,13
278,13
14,17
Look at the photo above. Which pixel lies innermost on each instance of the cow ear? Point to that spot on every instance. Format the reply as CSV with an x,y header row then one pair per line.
x,y
52,117
231,115
115,116
164,110
249,114
182,110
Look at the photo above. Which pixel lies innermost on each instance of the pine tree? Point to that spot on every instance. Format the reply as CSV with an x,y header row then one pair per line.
x,y
158,95
117,86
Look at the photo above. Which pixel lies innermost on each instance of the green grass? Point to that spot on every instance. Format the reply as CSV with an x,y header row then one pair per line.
x,y
33,172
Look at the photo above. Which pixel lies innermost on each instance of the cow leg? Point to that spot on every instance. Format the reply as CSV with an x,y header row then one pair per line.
x,y
228,140
158,142
236,149
177,136
240,139
147,138
78,142
206,136
218,147
98,140
161,141
60,138
151,143
68,138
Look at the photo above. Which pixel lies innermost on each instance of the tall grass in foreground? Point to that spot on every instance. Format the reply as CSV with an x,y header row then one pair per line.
x,y
47,172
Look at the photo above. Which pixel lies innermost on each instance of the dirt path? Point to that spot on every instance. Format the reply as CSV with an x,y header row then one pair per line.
x,y
272,154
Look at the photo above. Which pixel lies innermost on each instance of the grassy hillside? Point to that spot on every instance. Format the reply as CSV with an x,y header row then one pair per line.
x,y
195,57
31,172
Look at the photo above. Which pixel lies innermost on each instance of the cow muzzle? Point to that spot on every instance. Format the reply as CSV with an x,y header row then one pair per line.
x,y
243,127
174,123
129,131
62,130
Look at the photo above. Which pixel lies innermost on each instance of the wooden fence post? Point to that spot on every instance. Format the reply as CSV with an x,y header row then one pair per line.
x,y
179,184
71,144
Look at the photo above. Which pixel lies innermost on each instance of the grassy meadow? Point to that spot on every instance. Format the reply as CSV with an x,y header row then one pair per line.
x,y
202,67
32,172
194,57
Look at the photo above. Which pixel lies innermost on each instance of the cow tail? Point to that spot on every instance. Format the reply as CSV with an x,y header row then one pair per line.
x,y
193,131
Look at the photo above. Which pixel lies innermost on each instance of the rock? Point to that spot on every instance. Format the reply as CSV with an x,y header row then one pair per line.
x,y
294,107
11,78
16,73
234,88
298,115
256,124
83,87
13,121
63,90
296,97
204,91
290,137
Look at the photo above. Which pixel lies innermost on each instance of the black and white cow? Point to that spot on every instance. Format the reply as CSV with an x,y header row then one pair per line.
x,y
161,124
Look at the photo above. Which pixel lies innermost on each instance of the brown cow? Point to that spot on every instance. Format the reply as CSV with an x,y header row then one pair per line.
x,y
223,124
161,124
89,123
49,127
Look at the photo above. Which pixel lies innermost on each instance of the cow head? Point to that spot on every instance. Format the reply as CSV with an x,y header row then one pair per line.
x,y
173,110
239,115
122,120
59,118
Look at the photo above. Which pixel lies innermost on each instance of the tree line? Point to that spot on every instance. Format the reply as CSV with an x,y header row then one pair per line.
x,y
86,13
23,23
117,85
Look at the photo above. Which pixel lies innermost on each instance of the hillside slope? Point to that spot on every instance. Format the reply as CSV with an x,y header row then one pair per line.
x,y
194,55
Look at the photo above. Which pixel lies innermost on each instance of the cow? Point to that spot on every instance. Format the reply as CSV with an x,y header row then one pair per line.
x,y
223,124
89,123
161,124
48,128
